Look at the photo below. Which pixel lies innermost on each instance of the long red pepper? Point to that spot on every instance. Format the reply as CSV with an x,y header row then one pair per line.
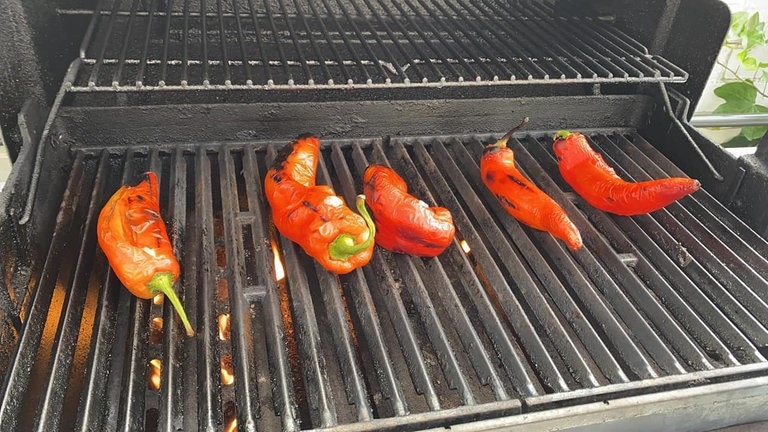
x,y
404,223
313,215
520,197
135,241
594,180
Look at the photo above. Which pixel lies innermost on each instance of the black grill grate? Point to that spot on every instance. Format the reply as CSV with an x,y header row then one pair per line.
x,y
676,295
177,44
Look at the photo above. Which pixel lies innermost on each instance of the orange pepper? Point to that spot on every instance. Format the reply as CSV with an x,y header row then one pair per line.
x,y
593,179
313,215
135,241
520,197
404,223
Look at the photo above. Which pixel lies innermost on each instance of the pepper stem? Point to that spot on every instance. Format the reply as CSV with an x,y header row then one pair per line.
x,y
562,134
344,245
503,141
163,283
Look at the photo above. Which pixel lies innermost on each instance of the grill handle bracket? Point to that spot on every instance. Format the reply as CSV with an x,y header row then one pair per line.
x,y
682,127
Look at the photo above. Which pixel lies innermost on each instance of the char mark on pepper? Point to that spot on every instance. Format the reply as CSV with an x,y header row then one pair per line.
x,y
517,181
505,202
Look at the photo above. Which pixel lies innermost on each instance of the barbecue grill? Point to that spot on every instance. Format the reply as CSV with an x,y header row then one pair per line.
x,y
660,321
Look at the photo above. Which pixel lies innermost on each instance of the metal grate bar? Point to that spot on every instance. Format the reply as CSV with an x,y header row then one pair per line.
x,y
324,31
208,370
52,401
299,53
435,273
496,35
705,225
170,402
93,80
185,46
399,317
497,282
568,349
241,39
455,24
283,397
394,39
166,42
145,46
223,47
507,14
204,41
314,45
366,46
639,325
319,394
276,37
241,331
23,359
555,289
262,52
448,45
116,78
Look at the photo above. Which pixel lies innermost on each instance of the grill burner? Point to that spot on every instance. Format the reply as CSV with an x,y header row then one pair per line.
x,y
517,324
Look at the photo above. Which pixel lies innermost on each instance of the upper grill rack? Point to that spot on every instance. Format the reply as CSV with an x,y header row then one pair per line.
x,y
223,44
404,342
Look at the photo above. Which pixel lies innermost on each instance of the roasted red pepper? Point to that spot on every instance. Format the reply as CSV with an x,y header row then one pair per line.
x,y
405,224
520,197
596,182
312,215
135,241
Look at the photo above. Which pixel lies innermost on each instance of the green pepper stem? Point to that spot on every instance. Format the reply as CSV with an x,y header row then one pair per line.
x,y
163,283
562,134
343,247
503,141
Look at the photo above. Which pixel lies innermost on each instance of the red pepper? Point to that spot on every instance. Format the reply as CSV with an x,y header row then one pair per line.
x,y
596,182
405,224
135,241
520,197
313,215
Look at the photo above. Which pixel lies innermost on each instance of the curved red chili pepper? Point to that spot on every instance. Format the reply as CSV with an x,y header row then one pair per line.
x,y
135,241
520,197
313,215
405,224
595,181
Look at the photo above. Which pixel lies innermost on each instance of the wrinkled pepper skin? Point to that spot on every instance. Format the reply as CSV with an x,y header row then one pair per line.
x,y
405,224
136,244
593,179
520,197
313,216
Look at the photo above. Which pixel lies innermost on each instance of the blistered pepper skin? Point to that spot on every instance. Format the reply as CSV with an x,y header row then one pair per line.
x,y
522,199
596,182
135,241
313,216
405,224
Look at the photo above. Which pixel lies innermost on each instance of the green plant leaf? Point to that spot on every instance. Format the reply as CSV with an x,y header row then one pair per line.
x,y
754,132
738,20
739,97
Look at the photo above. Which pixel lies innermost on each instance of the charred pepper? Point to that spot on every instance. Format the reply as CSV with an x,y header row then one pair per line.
x,y
520,197
313,215
404,223
593,179
133,236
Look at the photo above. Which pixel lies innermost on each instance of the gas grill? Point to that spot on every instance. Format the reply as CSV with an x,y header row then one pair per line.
x,y
659,322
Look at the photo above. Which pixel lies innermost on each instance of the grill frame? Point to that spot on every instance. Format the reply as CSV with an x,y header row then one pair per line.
x,y
77,126
742,380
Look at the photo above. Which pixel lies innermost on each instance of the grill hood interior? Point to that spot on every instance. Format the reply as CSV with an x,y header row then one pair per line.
x,y
659,316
